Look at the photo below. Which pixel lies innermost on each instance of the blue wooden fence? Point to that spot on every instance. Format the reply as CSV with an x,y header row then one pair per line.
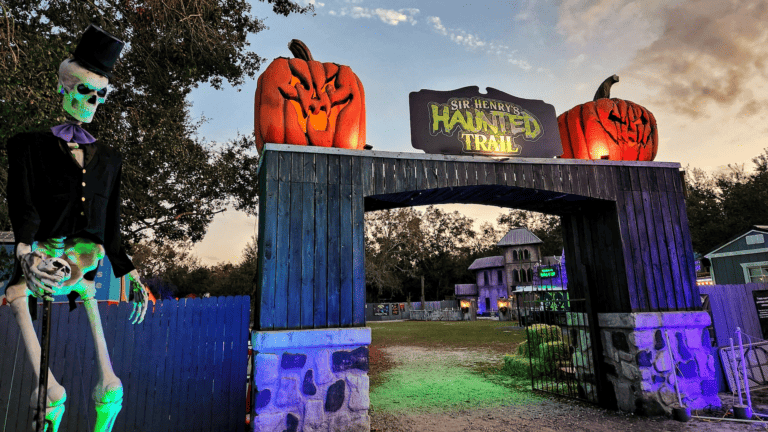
x,y
732,306
183,368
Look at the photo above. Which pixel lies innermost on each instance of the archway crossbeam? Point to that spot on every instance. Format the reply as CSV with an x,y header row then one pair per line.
x,y
624,223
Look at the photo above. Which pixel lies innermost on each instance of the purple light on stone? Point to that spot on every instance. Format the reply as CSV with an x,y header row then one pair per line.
x,y
681,348
292,422
659,339
308,387
263,398
345,360
687,369
335,397
709,388
658,379
644,359
293,361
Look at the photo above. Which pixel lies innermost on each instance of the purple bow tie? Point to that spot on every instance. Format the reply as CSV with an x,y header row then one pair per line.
x,y
71,132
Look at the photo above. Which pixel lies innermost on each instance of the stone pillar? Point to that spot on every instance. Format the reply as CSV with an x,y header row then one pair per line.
x,y
312,380
640,364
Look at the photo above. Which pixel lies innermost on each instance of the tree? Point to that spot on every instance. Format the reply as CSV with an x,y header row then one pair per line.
x,y
173,183
404,245
546,227
723,205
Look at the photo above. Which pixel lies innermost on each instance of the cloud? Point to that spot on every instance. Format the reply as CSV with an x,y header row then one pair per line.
x,y
387,16
712,54
472,42
577,61
613,21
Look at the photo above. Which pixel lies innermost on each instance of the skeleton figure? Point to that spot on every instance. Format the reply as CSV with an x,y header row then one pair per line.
x,y
60,235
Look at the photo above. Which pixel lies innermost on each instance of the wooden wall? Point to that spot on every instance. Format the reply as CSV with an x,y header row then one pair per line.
x,y
624,221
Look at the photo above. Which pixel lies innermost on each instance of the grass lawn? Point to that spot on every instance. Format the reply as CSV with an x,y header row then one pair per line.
x,y
433,366
495,336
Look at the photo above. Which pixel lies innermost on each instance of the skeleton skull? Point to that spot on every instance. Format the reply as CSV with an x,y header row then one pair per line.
x,y
56,267
83,90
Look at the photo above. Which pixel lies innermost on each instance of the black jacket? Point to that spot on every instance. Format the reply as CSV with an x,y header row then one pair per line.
x,y
50,195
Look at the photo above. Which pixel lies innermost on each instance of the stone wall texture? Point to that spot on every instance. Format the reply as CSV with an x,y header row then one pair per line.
x,y
312,386
647,354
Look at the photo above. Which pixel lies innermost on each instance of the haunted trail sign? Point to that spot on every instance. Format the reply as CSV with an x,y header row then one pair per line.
x,y
761,304
465,121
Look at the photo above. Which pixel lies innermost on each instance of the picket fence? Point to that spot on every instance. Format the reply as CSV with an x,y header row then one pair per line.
x,y
183,369
732,306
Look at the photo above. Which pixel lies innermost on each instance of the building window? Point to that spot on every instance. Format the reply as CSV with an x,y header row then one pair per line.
x,y
530,274
758,274
487,304
755,272
515,276
522,276
514,255
485,277
499,279
526,255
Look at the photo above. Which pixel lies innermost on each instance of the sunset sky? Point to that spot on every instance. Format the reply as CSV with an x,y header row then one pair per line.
x,y
700,66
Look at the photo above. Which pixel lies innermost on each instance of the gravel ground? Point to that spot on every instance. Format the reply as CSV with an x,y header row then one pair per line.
x,y
541,414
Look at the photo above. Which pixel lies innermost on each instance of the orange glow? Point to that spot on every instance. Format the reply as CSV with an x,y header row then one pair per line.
x,y
502,303
465,303
598,150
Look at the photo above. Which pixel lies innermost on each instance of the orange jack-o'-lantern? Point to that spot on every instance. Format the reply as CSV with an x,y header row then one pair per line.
x,y
304,102
607,128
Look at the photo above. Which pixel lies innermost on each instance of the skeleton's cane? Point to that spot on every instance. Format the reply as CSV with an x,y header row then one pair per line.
x,y
42,395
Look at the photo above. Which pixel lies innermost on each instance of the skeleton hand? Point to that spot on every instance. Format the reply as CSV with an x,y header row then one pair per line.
x,y
139,297
39,282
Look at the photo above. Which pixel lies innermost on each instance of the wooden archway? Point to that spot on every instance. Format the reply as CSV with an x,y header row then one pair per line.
x,y
625,226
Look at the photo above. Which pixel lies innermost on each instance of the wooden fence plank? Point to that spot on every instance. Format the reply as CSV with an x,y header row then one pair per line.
x,y
308,259
367,176
346,257
220,400
334,255
295,264
204,372
282,256
10,345
241,377
358,257
320,288
165,382
268,209
229,359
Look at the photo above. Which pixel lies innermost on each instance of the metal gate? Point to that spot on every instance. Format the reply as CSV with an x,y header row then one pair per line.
x,y
559,339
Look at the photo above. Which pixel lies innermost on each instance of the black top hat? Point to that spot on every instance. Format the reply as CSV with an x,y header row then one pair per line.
x,y
98,51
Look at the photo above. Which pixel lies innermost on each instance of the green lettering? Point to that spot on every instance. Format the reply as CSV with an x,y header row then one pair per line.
x,y
468,137
532,128
481,142
457,118
438,118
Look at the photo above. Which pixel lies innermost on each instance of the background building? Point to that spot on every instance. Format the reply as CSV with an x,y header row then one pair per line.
x,y
743,259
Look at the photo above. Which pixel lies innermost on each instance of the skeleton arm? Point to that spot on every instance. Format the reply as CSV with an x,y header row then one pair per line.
x,y
139,297
38,282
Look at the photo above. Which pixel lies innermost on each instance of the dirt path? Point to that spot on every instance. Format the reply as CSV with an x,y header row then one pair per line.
x,y
436,390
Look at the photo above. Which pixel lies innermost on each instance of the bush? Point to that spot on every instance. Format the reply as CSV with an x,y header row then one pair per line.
x,y
520,367
554,351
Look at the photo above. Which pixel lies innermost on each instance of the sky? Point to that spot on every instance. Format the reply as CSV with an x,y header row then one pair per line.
x,y
700,66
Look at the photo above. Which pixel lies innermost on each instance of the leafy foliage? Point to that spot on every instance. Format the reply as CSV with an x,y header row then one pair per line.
x,y
171,270
724,204
404,245
173,183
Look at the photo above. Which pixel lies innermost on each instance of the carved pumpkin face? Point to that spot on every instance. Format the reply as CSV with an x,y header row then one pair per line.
x,y
609,128
304,102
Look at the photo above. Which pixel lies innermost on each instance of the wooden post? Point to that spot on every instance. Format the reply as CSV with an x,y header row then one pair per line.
x,y
423,298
